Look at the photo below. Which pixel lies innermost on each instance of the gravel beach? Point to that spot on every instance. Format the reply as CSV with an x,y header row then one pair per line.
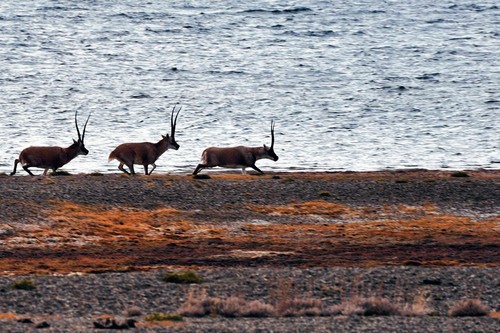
x,y
96,248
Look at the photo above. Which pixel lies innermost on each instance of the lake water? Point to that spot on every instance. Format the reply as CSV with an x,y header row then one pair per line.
x,y
352,85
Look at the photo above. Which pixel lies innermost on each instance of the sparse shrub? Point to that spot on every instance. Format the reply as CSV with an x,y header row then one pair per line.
x,y
258,309
469,308
158,316
199,305
96,174
377,306
419,307
240,307
296,306
133,311
230,307
23,284
182,277
347,308
460,174
324,194
286,305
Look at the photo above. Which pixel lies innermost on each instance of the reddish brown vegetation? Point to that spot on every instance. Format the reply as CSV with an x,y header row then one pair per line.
x,y
65,236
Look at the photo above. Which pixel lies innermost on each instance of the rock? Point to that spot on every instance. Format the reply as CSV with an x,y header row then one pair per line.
x,y
432,282
114,323
25,320
42,324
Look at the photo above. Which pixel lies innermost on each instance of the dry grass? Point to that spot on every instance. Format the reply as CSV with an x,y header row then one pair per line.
x,y
240,307
339,226
469,308
198,304
377,306
58,236
288,303
8,316
318,207
158,316
72,223
377,225
132,311
201,305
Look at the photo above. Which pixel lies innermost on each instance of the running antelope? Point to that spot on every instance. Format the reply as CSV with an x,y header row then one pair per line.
x,y
52,157
145,153
237,157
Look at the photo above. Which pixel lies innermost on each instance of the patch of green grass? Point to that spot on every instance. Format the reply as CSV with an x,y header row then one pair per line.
x,y
182,277
158,316
23,284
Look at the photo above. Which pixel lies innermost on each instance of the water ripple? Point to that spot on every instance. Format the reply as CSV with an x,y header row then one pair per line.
x,y
352,85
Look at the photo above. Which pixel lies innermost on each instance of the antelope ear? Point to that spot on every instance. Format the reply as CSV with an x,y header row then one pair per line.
x,y
163,136
265,147
74,141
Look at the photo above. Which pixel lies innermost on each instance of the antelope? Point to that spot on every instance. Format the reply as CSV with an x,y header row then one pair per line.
x,y
52,157
237,157
145,153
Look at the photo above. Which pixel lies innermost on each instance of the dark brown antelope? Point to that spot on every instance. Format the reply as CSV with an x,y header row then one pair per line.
x,y
145,153
237,157
52,157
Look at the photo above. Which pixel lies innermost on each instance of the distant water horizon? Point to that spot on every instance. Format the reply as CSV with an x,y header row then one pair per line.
x,y
352,85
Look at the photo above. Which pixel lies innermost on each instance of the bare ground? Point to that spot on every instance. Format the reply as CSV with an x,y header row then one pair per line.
x,y
303,227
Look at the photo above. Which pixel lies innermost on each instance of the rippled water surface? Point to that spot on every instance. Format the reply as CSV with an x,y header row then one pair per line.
x,y
352,85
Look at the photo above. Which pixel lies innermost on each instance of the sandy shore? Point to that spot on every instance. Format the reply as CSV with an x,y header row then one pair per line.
x,y
322,231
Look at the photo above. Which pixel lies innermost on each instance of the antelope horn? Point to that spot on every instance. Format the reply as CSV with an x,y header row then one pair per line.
x,y
77,130
85,127
272,134
173,122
